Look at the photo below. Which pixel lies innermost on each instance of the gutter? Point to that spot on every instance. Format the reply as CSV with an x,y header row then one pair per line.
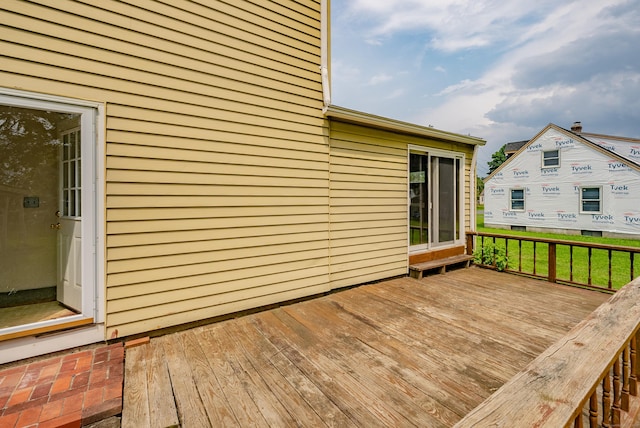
x,y
393,125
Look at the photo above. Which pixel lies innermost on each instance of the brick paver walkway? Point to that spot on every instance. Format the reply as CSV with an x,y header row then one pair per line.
x,y
66,391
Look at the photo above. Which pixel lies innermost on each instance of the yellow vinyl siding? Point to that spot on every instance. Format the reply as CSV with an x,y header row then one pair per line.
x,y
216,146
224,189
368,200
368,204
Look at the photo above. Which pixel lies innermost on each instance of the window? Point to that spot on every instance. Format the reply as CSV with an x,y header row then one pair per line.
x,y
551,158
590,200
435,198
517,199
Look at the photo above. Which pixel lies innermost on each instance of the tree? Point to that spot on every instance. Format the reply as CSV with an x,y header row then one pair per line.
x,y
479,185
497,159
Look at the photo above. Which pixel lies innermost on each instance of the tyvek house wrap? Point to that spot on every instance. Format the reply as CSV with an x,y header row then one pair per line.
x,y
552,195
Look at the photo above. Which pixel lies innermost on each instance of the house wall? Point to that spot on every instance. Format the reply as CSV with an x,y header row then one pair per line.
x,y
368,204
368,200
223,189
217,150
552,197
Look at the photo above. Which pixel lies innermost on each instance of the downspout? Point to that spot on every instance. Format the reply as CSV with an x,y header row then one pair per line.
x,y
325,37
324,53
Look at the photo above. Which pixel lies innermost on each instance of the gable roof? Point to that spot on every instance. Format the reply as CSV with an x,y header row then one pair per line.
x,y
514,146
576,136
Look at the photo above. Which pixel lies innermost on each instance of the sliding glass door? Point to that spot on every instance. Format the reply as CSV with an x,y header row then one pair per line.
x,y
435,207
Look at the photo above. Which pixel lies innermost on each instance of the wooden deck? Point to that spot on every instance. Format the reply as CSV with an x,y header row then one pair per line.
x,y
396,353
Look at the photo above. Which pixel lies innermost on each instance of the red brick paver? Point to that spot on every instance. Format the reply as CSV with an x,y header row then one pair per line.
x,y
67,391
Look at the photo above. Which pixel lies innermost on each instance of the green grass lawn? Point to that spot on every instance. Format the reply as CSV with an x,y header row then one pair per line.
x,y
523,256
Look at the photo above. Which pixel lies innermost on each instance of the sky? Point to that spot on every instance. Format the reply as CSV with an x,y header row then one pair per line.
x,y
500,70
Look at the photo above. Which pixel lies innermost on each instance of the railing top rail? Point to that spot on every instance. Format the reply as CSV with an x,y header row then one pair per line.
x,y
550,392
560,242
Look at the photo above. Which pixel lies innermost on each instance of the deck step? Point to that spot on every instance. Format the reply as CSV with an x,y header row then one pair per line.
x,y
417,270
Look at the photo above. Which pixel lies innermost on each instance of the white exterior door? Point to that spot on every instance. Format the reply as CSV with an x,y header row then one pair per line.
x,y
69,226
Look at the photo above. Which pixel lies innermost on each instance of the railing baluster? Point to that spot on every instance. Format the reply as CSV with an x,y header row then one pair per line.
x,y
570,262
631,260
609,268
493,263
633,376
519,255
506,252
593,411
606,400
626,372
615,409
551,269
589,264
534,257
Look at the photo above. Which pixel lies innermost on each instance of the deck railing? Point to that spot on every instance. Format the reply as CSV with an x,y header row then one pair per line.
x,y
597,266
588,378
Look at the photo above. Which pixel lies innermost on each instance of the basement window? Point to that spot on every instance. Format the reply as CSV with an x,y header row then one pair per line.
x,y
551,158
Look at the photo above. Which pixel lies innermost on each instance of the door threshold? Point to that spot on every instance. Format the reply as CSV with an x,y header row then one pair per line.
x,y
39,330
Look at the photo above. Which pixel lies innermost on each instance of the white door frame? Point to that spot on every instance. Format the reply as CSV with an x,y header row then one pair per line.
x,y
460,192
93,230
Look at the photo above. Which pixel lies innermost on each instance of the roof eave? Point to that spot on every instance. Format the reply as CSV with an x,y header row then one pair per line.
x,y
380,122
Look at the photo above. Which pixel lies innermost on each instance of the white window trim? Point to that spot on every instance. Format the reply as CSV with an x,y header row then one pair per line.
x,y
580,200
543,166
524,199
414,249
93,303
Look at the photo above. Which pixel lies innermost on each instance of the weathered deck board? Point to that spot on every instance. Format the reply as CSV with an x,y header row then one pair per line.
x,y
397,353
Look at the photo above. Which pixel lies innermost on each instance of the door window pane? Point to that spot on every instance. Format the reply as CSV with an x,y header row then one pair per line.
x,y
446,208
71,172
419,199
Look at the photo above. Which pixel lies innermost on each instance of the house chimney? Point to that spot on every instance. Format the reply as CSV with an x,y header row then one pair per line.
x,y
576,127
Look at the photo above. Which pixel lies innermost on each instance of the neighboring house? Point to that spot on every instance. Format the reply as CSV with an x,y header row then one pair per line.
x,y
510,149
165,163
568,182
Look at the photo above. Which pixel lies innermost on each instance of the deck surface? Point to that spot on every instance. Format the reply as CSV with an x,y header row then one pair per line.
x,y
401,352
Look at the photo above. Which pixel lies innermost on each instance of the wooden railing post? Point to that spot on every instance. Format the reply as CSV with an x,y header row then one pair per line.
x,y
470,239
552,262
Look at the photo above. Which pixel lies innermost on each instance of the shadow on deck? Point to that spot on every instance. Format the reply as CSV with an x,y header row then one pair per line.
x,y
401,352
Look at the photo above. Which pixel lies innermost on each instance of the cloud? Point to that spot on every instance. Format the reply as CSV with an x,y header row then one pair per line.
x,y
498,70
379,78
395,94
